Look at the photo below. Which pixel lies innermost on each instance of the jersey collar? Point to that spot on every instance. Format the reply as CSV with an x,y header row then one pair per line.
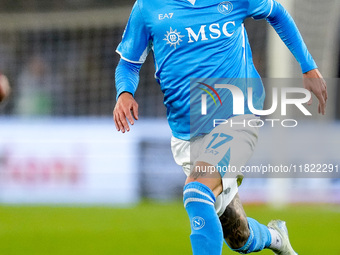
x,y
192,2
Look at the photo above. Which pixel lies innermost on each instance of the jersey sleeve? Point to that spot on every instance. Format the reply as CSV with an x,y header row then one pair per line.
x,y
135,44
260,9
127,77
286,28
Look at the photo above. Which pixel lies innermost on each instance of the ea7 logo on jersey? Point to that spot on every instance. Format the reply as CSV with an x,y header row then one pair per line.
x,y
165,16
225,8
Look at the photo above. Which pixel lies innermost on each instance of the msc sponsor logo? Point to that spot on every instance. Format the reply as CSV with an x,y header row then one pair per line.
x,y
204,33
213,31
173,37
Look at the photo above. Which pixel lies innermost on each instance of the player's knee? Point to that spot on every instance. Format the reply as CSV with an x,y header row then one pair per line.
x,y
206,174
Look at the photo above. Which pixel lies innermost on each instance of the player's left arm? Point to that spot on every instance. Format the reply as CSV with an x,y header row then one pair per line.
x,y
314,82
5,88
286,28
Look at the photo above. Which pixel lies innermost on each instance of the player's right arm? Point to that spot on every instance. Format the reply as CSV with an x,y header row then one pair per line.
x,y
126,109
133,50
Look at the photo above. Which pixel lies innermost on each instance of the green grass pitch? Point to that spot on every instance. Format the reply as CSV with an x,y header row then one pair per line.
x,y
148,228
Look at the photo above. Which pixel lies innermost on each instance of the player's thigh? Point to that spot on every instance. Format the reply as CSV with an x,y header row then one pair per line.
x,y
206,174
181,153
186,154
227,148
238,151
213,147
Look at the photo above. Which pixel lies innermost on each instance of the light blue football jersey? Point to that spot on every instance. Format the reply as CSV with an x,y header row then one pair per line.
x,y
194,39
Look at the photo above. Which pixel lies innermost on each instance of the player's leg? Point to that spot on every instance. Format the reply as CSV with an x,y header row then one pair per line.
x,y
235,225
203,186
199,199
232,215
242,234
199,195
246,235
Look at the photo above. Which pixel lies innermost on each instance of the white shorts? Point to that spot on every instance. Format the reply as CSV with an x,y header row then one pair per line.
x,y
227,146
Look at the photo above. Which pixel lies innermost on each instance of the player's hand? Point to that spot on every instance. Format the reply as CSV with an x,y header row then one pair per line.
x,y
314,82
126,109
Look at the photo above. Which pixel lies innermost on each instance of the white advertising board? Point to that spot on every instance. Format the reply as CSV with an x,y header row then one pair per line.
x,y
86,161
66,161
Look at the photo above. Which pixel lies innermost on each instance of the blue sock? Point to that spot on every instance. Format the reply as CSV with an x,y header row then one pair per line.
x,y
206,230
259,238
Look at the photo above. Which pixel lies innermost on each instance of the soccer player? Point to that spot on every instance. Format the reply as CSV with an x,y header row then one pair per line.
x,y
193,41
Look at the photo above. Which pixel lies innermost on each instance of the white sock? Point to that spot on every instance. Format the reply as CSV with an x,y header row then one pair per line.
x,y
276,239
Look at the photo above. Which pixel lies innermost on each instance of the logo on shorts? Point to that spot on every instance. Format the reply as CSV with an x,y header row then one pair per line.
x,y
173,37
204,97
197,223
225,8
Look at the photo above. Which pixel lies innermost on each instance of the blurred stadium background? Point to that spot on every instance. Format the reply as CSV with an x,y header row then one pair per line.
x,y
70,184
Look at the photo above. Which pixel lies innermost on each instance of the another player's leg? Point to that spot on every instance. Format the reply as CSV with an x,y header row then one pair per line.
x,y
246,235
199,198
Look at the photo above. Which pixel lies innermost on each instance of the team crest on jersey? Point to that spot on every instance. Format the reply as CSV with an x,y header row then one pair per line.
x,y
225,8
173,37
